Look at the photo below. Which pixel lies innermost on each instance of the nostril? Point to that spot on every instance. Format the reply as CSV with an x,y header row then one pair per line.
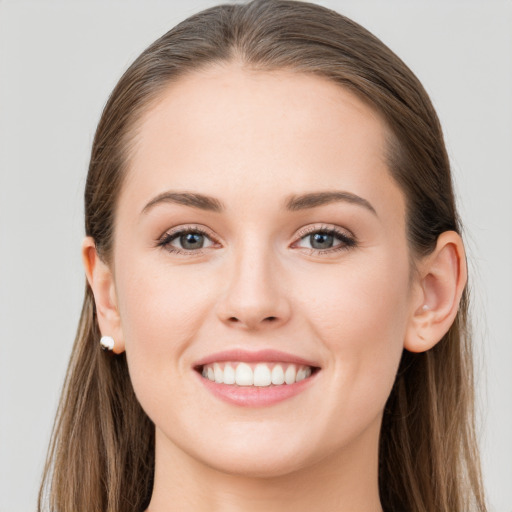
x,y
268,319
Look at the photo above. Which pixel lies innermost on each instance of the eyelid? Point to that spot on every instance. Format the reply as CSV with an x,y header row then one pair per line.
x,y
198,228
170,235
324,227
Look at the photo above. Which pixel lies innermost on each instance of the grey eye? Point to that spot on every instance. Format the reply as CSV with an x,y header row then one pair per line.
x,y
321,240
326,240
186,240
192,241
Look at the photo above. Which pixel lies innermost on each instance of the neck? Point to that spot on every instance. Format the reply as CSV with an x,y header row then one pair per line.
x,y
346,481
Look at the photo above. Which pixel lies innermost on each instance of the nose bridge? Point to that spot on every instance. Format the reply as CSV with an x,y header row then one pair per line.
x,y
255,294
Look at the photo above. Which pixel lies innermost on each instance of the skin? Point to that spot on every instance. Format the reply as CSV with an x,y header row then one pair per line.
x,y
251,139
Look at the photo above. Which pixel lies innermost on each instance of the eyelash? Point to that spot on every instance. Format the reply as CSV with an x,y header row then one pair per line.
x,y
347,241
167,238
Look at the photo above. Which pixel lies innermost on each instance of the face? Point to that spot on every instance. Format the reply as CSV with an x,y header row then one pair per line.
x,y
296,260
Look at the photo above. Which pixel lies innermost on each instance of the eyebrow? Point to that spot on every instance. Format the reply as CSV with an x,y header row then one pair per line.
x,y
293,203
186,199
314,199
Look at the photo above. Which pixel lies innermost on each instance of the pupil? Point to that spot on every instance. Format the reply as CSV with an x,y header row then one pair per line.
x,y
191,241
321,240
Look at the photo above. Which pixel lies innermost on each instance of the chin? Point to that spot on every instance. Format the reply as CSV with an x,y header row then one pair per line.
x,y
261,455
272,466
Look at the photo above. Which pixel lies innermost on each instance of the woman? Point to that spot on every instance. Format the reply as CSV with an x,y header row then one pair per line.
x,y
275,269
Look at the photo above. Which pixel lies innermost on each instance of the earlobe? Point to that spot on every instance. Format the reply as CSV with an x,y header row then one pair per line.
x,y
101,281
441,281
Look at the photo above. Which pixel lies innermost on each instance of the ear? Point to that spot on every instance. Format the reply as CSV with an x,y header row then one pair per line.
x,y
101,281
441,279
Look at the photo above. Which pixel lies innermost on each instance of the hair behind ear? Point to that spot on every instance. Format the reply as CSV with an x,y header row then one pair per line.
x,y
430,415
100,429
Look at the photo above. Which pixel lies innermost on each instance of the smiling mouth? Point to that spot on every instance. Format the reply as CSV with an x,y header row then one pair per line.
x,y
256,374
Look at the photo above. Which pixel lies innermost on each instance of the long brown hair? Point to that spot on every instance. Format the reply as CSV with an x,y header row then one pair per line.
x,y
101,457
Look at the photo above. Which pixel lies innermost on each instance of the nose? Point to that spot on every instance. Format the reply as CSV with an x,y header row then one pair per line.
x,y
255,296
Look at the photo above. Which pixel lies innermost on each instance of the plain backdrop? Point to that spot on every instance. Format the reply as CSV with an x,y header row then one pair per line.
x,y
59,61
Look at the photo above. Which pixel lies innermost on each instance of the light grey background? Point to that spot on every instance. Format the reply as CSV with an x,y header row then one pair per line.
x,y
59,61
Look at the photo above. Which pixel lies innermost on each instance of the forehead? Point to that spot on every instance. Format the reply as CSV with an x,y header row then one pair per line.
x,y
230,129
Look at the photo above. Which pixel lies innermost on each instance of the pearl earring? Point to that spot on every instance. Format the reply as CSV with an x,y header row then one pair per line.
x,y
425,307
107,343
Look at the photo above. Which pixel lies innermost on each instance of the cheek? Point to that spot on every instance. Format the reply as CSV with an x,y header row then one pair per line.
x,y
367,295
361,319
161,311
160,314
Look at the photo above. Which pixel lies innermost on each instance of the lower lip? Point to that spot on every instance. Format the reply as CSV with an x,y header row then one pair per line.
x,y
256,396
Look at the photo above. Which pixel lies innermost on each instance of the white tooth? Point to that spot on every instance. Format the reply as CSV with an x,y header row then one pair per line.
x,y
308,372
277,375
219,374
301,375
243,375
205,372
229,374
289,376
211,375
262,376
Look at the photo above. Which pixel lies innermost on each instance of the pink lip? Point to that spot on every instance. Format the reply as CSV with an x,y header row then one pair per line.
x,y
246,356
252,396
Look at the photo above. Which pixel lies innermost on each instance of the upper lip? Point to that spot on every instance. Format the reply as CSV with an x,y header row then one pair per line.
x,y
250,356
